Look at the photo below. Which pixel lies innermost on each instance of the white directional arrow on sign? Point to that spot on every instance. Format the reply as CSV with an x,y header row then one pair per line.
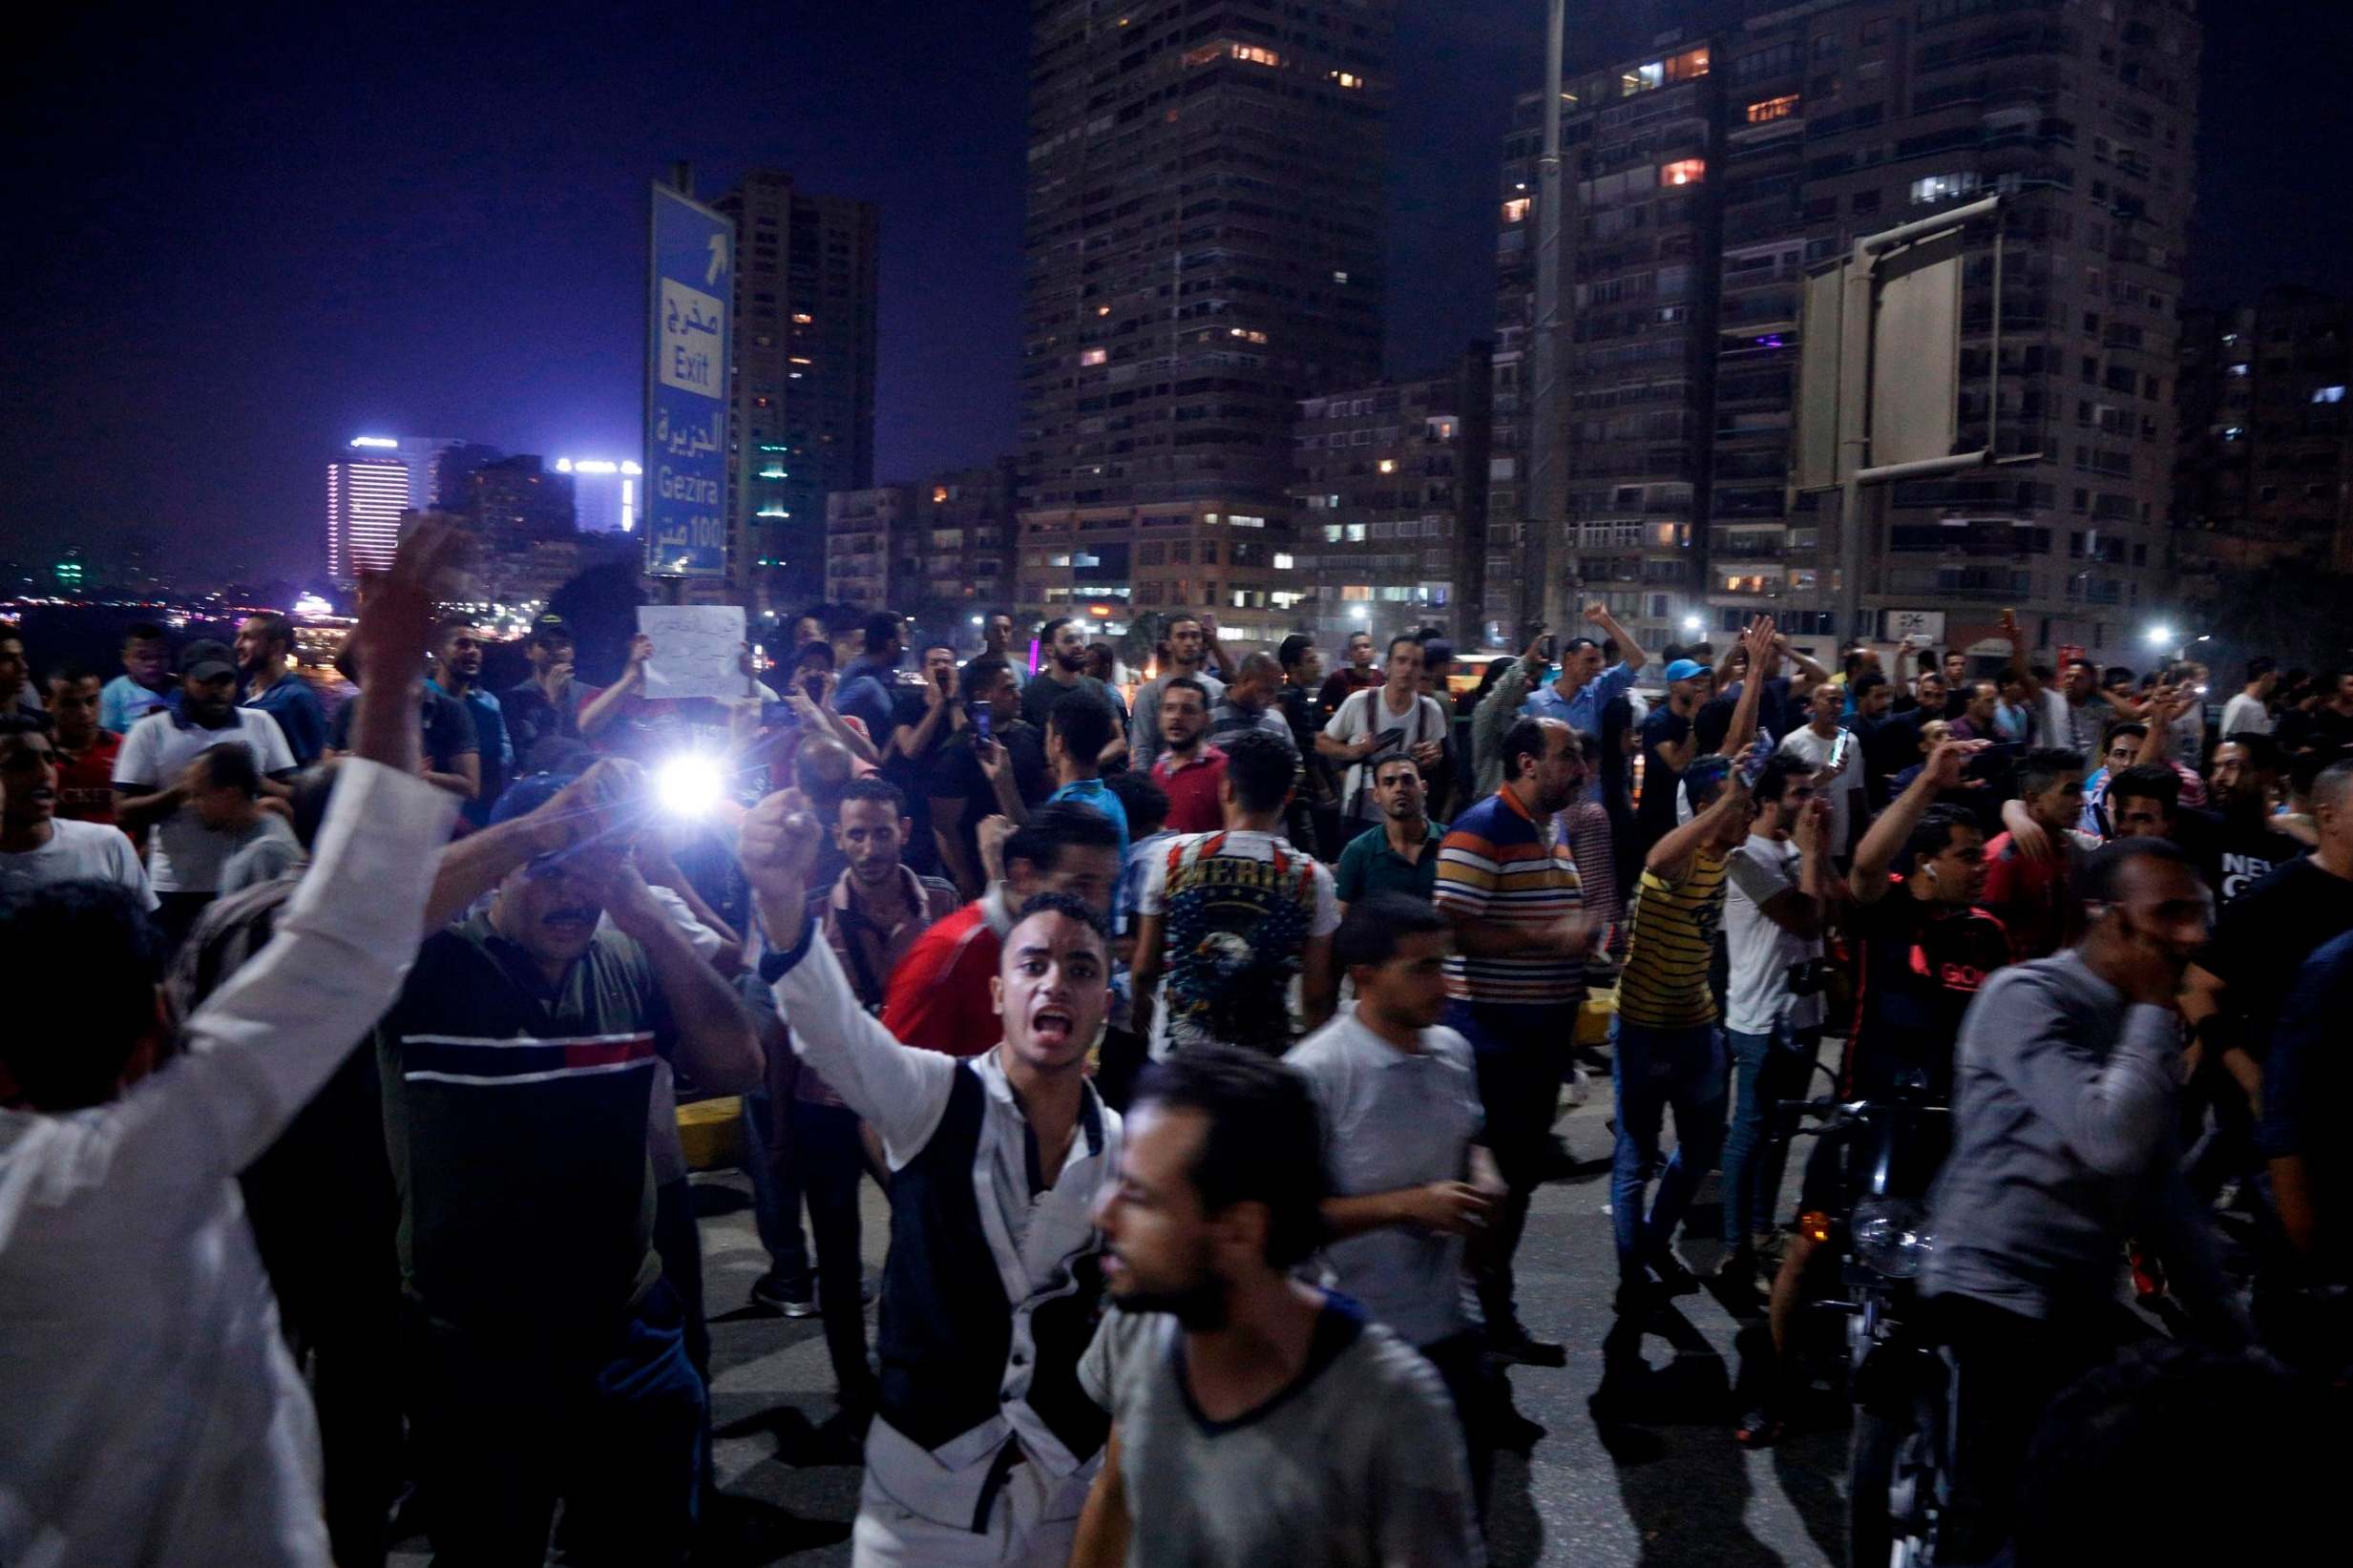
x,y
719,259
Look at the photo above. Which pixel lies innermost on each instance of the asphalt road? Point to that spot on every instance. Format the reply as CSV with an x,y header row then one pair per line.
x,y
1659,1483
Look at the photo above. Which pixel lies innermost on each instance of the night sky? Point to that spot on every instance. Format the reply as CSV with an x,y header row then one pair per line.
x,y
240,242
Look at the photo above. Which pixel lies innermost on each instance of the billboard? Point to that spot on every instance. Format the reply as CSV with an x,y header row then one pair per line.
x,y
688,355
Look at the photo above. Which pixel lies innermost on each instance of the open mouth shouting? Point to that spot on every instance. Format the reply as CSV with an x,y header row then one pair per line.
x,y
1051,1025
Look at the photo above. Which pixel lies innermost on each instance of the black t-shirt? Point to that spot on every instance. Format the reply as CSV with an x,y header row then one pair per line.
x,y
2263,937
1039,695
1918,969
447,730
1660,780
2231,853
1890,745
1711,724
917,777
957,776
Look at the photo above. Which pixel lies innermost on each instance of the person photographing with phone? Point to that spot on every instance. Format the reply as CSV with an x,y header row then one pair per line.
x,y
1394,716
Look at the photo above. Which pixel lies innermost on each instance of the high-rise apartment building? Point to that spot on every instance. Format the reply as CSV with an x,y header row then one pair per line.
x,y
801,419
607,493
869,546
939,551
1204,245
365,494
1392,493
2266,471
1709,177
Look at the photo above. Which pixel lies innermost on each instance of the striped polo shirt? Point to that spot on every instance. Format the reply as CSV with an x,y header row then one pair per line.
x,y
1505,868
1665,982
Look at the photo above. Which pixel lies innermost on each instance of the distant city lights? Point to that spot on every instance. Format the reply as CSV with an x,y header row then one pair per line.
x,y
383,443
595,464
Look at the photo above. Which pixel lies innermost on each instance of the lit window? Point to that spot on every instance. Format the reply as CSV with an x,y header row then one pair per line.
x,y
1516,209
1247,334
940,494
2237,371
1283,561
1773,109
799,360
1347,78
1241,520
1253,54
1103,310
1094,356
2328,394
1943,187
1688,171
802,317
1339,276
1388,465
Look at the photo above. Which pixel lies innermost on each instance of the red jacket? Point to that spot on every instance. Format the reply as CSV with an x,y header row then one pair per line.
x,y
938,996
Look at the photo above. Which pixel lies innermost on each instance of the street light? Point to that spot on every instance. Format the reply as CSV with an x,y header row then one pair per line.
x,y
2158,636
1693,625
1356,611
976,620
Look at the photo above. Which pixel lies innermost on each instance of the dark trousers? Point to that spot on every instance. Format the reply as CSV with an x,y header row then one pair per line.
x,y
508,1428
829,1157
1655,1069
2010,1368
678,1241
1767,1069
1477,1396
175,916
1519,1052
775,1186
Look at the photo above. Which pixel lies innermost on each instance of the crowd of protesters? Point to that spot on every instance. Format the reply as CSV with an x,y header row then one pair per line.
x,y
1206,1036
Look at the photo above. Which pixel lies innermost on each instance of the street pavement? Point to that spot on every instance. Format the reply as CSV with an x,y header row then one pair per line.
x,y
1660,1483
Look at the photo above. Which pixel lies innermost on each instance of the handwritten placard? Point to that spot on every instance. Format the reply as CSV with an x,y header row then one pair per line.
x,y
698,650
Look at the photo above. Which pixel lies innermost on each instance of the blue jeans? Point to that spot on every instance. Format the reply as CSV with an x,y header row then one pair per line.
x,y
1766,1069
1651,1070
775,1189
1519,1049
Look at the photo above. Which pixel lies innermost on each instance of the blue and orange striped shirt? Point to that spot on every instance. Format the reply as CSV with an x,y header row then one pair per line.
x,y
1502,865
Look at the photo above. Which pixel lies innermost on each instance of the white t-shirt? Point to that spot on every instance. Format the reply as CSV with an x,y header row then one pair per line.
x,y
2244,714
1759,953
77,851
1367,713
184,856
1844,792
1236,915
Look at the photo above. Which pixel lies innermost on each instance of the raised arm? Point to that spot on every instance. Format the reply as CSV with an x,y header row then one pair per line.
x,y
1630,653
608,704
718,1039
1893,825
261,1046
902,1092
1671,856
1759,640
2018,654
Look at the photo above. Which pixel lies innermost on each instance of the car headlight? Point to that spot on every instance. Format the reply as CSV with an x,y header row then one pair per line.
x,y
1892,1236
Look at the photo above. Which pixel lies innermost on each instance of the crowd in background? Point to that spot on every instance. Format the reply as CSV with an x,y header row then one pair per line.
x,y
1242,998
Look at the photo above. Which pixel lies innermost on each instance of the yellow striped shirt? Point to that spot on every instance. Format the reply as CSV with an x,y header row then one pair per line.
x,y
1665,982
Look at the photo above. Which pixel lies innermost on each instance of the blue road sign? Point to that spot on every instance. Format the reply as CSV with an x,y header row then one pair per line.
x,y
688,354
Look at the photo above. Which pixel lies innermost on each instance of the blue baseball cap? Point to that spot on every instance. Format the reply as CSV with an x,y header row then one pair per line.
x,y
1685,669
526,795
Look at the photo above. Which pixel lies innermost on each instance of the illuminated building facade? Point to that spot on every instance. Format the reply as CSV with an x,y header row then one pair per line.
x,y
1205,246
801,418
365,495
606,492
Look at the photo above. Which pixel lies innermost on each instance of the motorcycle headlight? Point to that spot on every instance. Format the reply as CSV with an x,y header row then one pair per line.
x,y
1892,1236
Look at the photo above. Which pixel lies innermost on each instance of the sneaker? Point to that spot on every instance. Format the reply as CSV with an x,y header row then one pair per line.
x,y
793,1298
1761,1428
1674,1279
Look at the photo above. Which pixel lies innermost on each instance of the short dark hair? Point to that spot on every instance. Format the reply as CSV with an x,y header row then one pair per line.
x,y
1264,1143
1773,782
1047,633
1186,683
230,765
2099,876
1261,770
1259,664
1083,721
2261,749
879,792
2260,667
1387,758
1525,739
2074,664
274,627
1369,931
23,724
145,631
2147,781
815,651
1866,683
979,676
1178,618
1069,908
67,1047
2131,727
1293,651
1933,834
1145,802
1401,636
882,626
1056,827
314,791
1573,644
2043,767
73,672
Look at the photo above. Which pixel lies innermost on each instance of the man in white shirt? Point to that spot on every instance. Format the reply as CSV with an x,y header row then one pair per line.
x,y
2249,712
184,857
153,1412
37,847
1188,656
1393,716
1773,916
1813,743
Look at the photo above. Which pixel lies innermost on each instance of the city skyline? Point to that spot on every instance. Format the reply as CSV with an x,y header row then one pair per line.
x,y
281,254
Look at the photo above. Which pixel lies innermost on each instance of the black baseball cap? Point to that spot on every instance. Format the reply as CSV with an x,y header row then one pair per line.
x,y
552,628
207,660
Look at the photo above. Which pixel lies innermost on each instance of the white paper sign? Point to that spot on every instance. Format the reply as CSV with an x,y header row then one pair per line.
x,y
698,650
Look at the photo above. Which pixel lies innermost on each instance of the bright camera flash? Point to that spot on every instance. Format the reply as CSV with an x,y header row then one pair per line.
x,y
689,785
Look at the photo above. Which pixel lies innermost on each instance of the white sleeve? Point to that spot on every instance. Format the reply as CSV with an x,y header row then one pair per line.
x,y
901,1089
135,763
1327,917
262,1045
1152,898
270,748
1758,880
1340,726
